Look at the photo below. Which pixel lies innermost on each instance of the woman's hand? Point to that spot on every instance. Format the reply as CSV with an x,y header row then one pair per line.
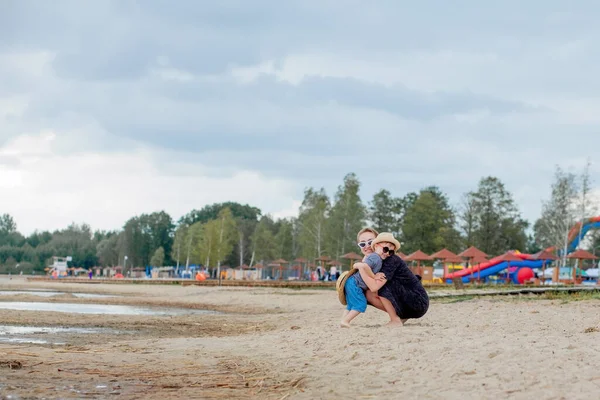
x,y
380,276
359,265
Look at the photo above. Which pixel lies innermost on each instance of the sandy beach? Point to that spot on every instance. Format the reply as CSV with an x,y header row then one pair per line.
x,y
287,344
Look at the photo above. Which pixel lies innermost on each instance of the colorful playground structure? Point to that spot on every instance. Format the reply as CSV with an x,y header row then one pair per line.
x,y
518,268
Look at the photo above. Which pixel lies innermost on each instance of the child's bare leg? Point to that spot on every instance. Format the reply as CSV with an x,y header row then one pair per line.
x,y
345,323
389,308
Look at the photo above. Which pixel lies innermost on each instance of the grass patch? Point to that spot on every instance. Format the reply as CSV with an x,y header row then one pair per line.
x,y
575,296
563,296
453,299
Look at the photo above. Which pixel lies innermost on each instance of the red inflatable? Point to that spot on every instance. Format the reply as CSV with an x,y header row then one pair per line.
x,y
524,274
200,276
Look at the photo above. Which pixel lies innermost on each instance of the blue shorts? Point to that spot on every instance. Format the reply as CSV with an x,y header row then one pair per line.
x,y
355,296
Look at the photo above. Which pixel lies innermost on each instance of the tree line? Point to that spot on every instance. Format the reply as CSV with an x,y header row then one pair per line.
x,y
234,234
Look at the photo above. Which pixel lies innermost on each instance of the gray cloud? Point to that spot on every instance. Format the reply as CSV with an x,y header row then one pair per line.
x,y
475,88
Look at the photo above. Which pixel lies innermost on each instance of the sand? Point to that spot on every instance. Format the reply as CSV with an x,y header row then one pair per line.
x,y
283,343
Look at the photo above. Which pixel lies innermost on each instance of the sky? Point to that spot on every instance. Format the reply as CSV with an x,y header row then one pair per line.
x,y
114,108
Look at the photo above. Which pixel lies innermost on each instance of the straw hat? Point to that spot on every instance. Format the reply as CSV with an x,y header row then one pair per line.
x,y
341,281
386,237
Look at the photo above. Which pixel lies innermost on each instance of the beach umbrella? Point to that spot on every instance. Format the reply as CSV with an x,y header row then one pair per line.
x,y
477,260
546,256
281,261
418,256
455,259
471,253
322,259
508,257
580,255
276,265
401,255
451,260
303,262
352,256
443,255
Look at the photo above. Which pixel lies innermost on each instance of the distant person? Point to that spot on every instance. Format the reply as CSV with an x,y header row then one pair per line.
x,y
333,273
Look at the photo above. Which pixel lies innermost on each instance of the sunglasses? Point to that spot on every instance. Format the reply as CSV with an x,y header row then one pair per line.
x,y
387,250
362,245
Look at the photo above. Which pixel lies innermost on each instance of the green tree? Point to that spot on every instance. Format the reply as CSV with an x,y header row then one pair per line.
x,y
559,213
585,203
203,242
347,216
246,218
178,252
262,240
284,240
143,234
216,238
159,230
8,232
7,224
497,222
39,238
107,251
429,223
158,258
243,248
134,243
211,212
312,219
227,235
385,212
467,219
75,241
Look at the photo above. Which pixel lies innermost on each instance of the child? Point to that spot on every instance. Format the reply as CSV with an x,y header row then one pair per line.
x,y
355,288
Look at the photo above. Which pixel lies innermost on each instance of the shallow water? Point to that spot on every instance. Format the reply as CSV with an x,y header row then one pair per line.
x,y
97,309
5,339
31,330
51,293
22,334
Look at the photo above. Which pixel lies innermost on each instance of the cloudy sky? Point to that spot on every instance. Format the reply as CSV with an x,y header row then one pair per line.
x,y
109,109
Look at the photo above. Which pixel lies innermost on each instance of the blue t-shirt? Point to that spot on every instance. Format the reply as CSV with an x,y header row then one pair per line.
x,y
374,262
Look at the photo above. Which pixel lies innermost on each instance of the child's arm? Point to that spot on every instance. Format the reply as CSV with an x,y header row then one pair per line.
x,y
366,268
373,283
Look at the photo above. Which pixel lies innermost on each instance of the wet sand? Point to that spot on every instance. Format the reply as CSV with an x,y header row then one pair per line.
x,y
283,343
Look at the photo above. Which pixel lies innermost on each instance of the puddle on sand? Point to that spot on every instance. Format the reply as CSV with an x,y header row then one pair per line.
x,y
50,293
98,309
23,334
23,340
31,330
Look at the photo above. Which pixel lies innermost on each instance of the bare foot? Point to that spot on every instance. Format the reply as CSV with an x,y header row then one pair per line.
x,y
344,324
